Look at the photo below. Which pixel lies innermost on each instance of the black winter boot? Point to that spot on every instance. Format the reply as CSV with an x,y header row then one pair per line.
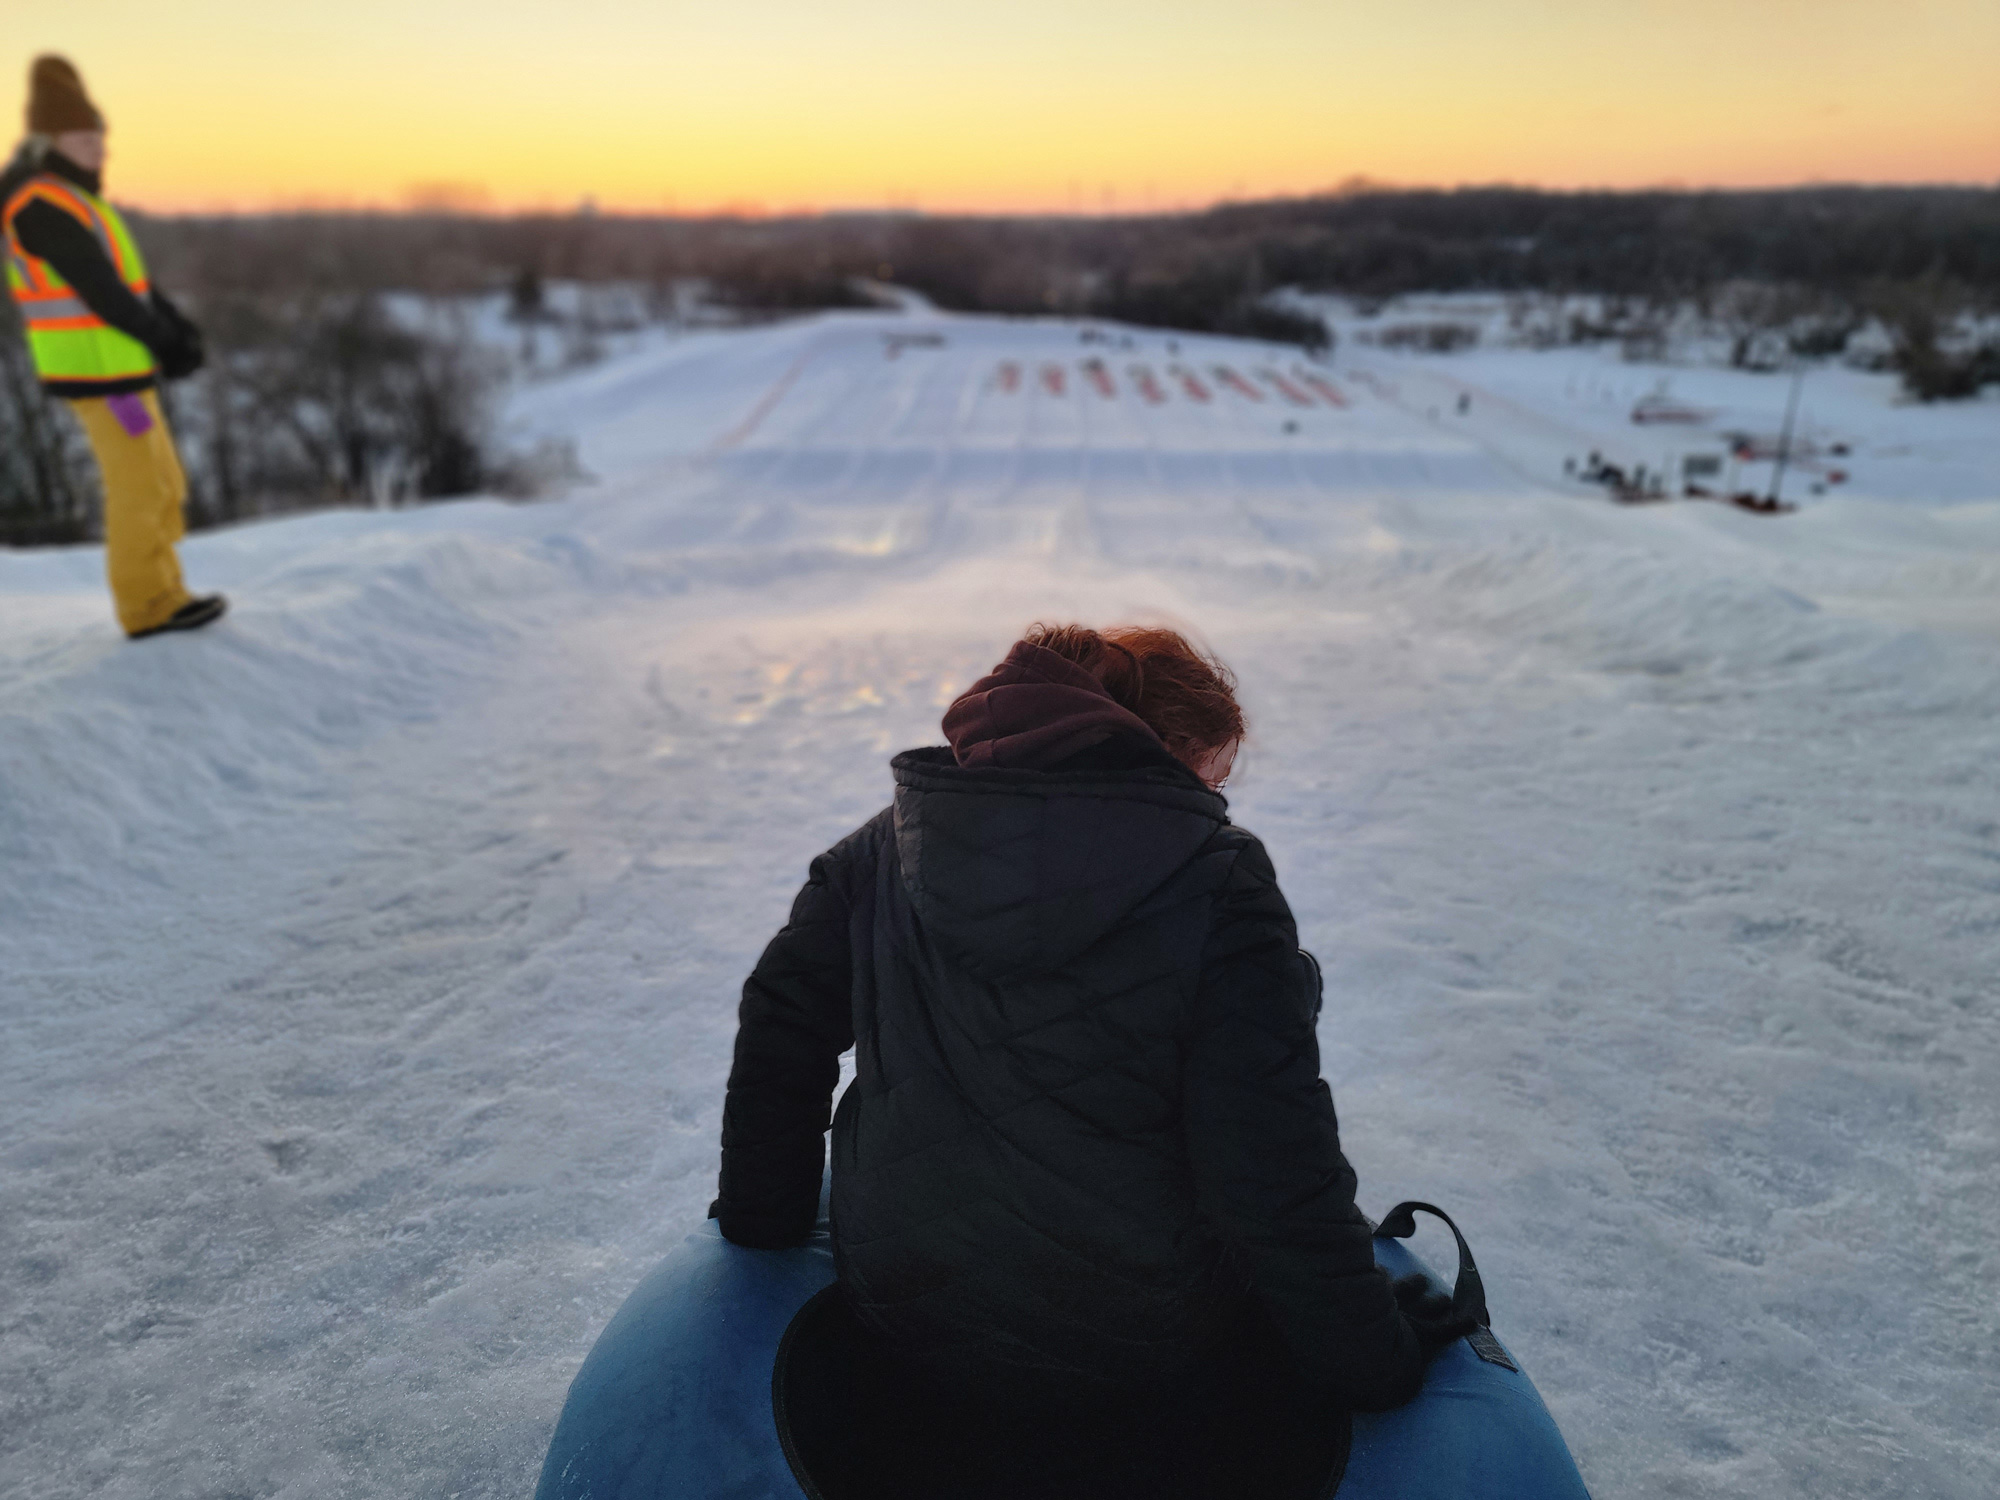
x,y
204,609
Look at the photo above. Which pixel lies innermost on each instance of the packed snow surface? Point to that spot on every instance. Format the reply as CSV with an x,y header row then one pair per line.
x,y
370,960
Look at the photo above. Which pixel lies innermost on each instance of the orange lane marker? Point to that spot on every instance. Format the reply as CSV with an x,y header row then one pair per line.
x,y
1286,389
765,405
1100,377
1237,383
1325,387
1148,383
1054,377
1009,376
1190,382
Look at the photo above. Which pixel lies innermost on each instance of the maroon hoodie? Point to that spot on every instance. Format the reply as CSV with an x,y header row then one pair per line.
x,y
1035,710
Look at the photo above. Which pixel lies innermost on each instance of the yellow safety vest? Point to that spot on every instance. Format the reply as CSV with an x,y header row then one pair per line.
x,y
68,340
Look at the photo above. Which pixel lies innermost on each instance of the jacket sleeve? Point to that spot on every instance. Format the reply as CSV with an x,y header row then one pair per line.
x,y
795,1020
1265,1149
49,234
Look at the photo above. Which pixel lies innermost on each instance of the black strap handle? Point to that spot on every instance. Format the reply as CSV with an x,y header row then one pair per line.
x,y
1468,1293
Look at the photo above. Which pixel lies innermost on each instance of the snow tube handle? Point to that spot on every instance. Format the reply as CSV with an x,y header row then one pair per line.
x,y
1468,1293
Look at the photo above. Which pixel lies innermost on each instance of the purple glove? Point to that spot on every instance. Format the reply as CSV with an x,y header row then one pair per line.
x,y
130,410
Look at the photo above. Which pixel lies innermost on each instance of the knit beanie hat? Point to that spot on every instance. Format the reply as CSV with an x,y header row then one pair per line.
x,y
56,100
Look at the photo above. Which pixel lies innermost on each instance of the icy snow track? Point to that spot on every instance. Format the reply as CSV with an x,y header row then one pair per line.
x,y
370,960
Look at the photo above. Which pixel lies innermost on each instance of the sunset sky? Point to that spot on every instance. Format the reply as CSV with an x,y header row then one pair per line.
x,y
1031,104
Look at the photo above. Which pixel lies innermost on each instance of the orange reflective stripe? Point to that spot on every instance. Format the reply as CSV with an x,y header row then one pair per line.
x,y
14,204
31,270
114,245
64,197
52,192
7,219
83,324
49,188
36,272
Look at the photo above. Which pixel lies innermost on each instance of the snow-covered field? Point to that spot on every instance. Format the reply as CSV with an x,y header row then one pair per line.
x,y
368,963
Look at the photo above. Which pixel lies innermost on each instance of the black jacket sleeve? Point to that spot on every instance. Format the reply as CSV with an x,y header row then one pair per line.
x,y
1265,1148
49,234
796,1019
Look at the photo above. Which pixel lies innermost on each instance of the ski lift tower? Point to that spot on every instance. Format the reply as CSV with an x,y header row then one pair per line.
x,y
1785,434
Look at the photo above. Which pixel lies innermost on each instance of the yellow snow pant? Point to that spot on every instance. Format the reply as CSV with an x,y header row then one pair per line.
x,y
143,491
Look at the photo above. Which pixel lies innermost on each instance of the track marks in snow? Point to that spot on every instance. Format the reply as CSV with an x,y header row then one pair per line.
x,y
1682,978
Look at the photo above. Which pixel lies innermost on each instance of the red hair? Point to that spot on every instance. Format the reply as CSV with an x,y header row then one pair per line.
x,y
1185,696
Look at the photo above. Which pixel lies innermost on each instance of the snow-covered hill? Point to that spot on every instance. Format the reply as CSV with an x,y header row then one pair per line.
x,y
370,960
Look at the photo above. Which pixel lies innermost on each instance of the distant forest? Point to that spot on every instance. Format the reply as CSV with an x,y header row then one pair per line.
x,y
1659,245
317,393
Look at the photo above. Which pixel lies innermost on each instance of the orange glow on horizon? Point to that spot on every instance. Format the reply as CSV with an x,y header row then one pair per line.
x,y
1038,106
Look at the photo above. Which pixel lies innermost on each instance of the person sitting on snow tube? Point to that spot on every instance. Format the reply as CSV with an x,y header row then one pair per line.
x,y
1090,1214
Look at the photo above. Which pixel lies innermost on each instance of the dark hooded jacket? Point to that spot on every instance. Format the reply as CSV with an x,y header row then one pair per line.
x,y
1087,1128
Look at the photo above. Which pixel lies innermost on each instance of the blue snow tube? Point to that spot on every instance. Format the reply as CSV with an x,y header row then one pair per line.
x,y
685,1393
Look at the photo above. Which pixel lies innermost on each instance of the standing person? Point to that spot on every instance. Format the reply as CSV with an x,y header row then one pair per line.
x,y
102,337
1089,1203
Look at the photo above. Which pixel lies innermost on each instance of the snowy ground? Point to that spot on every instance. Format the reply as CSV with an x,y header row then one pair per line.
x,y
370,960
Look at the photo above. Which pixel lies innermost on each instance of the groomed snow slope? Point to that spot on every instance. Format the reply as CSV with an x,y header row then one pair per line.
x,y
370,960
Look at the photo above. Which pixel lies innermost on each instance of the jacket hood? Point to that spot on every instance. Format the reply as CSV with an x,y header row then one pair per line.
x,y
1014,871
1037,709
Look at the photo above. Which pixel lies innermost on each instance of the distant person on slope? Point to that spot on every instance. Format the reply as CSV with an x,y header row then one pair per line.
x,y
102,337
1088,1186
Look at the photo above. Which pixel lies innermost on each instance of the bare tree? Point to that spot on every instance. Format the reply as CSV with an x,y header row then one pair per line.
x,y
47,489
